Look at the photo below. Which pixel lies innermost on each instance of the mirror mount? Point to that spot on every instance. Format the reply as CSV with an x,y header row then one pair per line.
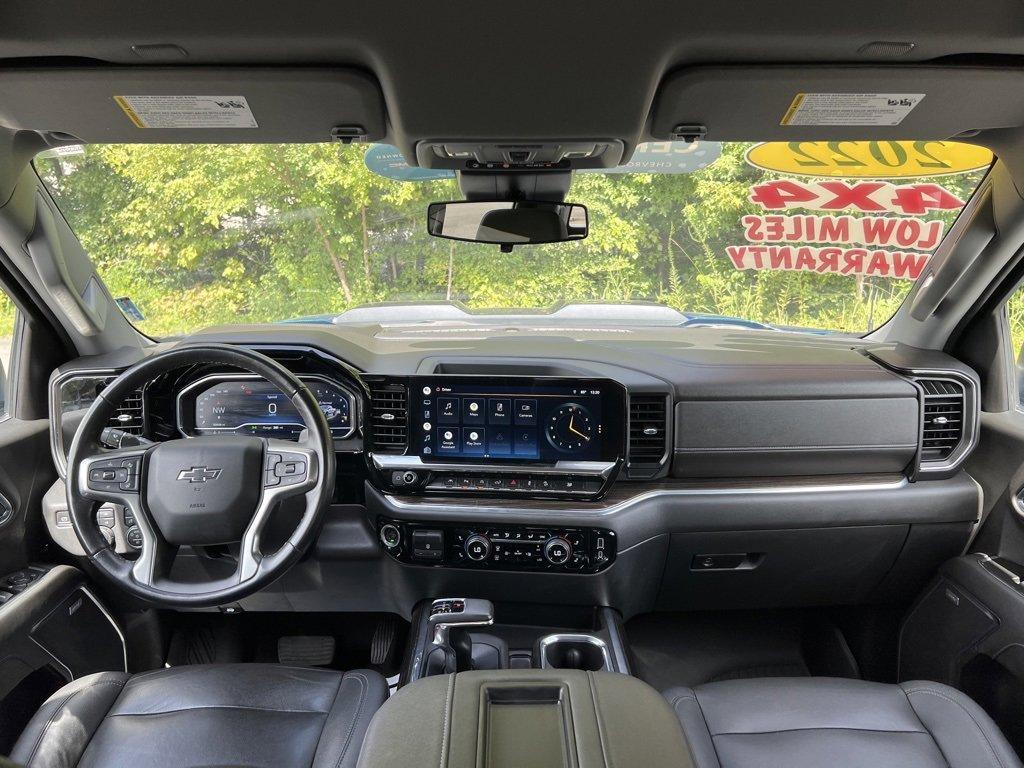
x,y
550,186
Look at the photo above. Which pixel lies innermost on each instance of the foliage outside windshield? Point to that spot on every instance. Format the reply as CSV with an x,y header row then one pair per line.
x,y
199,235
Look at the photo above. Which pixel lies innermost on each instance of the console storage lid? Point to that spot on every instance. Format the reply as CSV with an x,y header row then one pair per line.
x,y
520,718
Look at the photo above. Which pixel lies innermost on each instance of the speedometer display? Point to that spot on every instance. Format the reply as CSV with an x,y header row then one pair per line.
x,y
256,407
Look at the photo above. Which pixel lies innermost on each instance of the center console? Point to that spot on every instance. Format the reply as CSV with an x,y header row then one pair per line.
x,y
511,719
506,435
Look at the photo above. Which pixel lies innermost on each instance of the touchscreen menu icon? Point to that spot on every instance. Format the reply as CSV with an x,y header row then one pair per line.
x,y
448,440
447,410
473,441
473,410
499,411
526,413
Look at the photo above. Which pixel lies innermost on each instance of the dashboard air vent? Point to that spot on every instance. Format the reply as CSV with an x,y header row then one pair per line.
x,y
943,425
648,434
389,417
130,417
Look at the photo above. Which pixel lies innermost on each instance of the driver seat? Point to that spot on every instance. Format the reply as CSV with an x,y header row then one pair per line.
x,y
204,715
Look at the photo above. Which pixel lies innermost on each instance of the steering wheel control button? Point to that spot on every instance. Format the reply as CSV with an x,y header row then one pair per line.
x,y
428,545
134,537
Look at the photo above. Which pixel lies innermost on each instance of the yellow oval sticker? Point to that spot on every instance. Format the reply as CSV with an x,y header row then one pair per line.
x,y
869,159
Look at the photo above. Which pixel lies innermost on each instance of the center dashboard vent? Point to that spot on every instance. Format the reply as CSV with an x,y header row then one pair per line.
x,y
389,417
648,434
942,429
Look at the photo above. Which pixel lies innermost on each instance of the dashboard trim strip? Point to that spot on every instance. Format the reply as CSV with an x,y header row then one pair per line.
x,y
450,504
600,469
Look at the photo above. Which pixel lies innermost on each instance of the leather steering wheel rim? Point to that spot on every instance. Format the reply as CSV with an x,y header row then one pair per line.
x,y
316,447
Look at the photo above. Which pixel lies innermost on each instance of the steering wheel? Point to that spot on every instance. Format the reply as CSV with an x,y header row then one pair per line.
x,y
200,491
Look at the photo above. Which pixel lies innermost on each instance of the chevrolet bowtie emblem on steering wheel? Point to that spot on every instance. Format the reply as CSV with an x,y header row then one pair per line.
x,y
199,474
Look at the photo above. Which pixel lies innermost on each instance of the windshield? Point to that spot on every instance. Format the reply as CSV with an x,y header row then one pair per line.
x,y
822,236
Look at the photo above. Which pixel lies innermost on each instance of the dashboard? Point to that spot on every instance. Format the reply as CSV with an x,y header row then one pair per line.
x,y
644,463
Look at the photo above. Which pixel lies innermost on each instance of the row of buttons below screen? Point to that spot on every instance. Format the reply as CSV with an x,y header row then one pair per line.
x,y
480,410
518,483
480,441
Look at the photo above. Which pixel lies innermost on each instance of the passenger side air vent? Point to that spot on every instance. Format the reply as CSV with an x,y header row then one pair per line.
x,y
389,417
648,434
942,428
130,416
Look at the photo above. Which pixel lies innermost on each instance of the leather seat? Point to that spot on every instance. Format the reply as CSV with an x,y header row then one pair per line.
x,y
205,715
838,723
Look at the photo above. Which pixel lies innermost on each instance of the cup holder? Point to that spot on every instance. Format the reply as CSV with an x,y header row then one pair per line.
x,y
585,652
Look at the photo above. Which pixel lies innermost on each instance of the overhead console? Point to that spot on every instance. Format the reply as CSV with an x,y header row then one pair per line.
x,y
516,435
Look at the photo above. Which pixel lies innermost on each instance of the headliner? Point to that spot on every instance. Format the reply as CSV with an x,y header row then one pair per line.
x,y
520,71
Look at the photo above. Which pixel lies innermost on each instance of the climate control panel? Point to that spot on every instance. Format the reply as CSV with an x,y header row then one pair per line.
x,y
498,547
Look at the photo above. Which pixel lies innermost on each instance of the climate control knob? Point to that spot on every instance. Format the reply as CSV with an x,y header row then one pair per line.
x,y
477,547
557,550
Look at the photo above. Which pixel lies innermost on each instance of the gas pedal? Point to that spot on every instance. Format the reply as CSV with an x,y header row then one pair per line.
x,y
384,637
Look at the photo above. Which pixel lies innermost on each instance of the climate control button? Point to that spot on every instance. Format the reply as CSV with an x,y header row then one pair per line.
x,y
557,550
477,547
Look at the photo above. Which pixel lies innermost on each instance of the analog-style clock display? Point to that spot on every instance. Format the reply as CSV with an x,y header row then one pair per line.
x,y
570,428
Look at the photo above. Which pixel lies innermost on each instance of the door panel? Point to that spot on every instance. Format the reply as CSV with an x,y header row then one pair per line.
x,y
26,471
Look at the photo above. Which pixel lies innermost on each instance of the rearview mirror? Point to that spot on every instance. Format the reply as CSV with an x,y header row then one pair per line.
x,y
508,223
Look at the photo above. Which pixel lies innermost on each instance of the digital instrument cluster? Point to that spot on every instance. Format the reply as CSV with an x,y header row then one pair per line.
x,y
248,405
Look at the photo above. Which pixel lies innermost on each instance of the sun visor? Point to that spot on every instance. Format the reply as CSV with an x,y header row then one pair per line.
x,y
194,105
776,103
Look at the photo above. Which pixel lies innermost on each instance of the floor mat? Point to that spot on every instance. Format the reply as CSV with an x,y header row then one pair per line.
x,y
688,649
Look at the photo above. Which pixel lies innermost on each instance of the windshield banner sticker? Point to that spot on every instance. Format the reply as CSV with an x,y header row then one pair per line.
x,y
858,243
869,159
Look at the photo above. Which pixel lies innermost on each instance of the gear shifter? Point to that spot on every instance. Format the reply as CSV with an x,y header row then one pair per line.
x,y
448,620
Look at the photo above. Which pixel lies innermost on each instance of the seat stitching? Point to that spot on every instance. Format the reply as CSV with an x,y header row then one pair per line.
x,y
363,687
444,723
707,727
597,715
221,706
680,697
966,711
816,728
327,717
64,702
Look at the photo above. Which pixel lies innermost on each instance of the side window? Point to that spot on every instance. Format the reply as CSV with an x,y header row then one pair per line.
x,y
8,324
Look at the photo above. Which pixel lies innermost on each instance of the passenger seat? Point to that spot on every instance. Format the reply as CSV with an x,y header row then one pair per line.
x,y
837,723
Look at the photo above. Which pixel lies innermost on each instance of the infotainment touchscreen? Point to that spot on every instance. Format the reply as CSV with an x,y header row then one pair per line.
x,y
517,419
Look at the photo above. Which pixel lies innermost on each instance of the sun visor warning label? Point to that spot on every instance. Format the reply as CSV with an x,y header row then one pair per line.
x,y
850,108
187,111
